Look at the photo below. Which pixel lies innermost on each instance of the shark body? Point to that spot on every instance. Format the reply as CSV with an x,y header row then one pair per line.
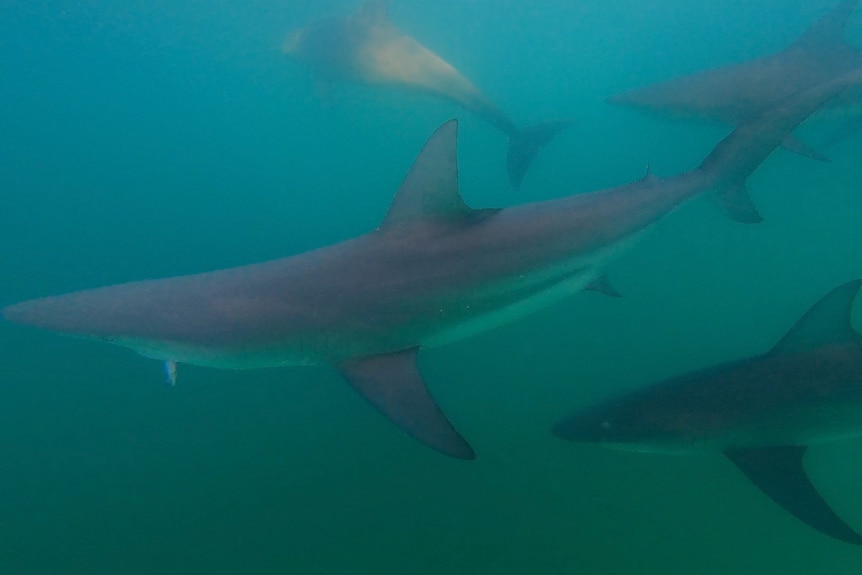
x,y
762,412
434,271
366,47
736,93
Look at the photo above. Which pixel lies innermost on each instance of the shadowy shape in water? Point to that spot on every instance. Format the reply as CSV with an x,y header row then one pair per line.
x,y
366,47
736,93
761,412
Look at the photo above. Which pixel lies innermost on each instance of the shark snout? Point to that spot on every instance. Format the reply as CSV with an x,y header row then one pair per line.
x,y
585,427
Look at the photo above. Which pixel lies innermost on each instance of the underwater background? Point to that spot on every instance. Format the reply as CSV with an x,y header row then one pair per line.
x,y
143,139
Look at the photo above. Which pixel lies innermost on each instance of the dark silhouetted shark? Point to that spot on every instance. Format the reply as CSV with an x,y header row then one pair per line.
x,y
736,93
434,271
366,47
761,412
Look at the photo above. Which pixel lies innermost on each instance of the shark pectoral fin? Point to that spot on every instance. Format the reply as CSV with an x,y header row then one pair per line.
x,y
738,205
778,472
392,383
603,286
525,145
827,321
793,144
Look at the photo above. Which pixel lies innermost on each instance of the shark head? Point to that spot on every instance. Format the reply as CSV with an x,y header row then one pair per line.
x,y
622,425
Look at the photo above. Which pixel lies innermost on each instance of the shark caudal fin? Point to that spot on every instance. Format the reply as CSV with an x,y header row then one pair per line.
x,y
525,145
779,473
736,157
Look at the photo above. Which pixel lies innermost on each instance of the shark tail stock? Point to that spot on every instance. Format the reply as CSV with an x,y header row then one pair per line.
x,y
736,157
525,145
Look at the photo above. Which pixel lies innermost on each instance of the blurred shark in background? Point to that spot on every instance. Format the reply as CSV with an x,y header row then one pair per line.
x,y
366,47
736,93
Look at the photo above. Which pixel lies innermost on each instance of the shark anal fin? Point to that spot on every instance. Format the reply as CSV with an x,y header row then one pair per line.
x,y
779,473
738,205
603,286
525,145
392,383
827,321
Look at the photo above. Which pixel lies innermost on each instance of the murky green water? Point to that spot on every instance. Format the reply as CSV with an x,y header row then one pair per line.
x,y
147,139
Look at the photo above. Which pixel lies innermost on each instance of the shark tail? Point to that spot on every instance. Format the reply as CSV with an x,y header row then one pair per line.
x,y
524,146
736,157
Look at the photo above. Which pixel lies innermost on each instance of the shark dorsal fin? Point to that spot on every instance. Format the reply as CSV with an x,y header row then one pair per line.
x,y
430,190
829,30
827,321
373,12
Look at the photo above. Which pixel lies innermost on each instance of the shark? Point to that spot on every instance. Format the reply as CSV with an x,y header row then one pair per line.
x,y
762,412
735,93
366,47
433,272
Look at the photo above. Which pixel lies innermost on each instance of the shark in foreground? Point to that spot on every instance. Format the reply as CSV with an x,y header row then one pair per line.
x,y
761,412
366,47
434,271
736,93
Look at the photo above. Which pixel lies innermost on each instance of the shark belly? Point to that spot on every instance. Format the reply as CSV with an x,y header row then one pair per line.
x,y
514,310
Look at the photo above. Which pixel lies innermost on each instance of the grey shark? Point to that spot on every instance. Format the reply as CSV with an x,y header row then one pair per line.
x,y
736,93
434,271
761,412
365,47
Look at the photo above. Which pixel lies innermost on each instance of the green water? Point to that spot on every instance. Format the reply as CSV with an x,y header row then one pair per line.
x,y
148,139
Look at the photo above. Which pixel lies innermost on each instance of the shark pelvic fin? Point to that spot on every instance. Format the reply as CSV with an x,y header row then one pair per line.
x,y
738,205
829,30
827,321
430,190
779,473
392,383
793,144
525,145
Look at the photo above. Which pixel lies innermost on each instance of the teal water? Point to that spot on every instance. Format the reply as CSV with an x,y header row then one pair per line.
x,y
148,139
